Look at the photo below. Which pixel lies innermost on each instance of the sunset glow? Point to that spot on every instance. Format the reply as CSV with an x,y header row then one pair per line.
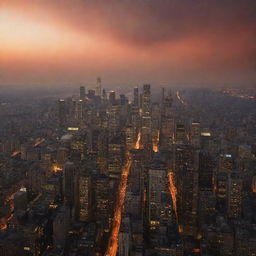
x,y
56,42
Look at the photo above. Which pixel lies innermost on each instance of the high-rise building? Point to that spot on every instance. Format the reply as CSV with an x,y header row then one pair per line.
x,y
129,137
112,97
123,99
84,197
157,189
186,176
136,96
206,171
82,92
235,183
115,157
225,168
180,137
167,130
103,210
98,87
114,120
62,112
70,187
146,100
104,96
195,134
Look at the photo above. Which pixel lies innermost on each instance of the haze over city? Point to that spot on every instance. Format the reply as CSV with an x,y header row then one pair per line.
x,y
127,128
182,43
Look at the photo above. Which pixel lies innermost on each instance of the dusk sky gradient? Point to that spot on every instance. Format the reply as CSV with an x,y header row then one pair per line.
x,y
164,42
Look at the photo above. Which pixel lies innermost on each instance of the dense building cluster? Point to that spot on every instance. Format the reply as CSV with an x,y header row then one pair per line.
x,y
165,174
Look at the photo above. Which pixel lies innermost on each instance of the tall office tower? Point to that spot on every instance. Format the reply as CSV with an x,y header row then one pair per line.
x,y
129,137
205,140
78,147
91,94
146,100
146,133
136,96
84,197
162,96
135,117
167,130
98,87
103,207
114,120
70,187
123,99
157,188
134,203
78,110
62,112
186,176
206,171
155,128
102,152
235,184
167,100
225,167
104,96
112,97
226,163
82,92
221,184
115,157
207,199
195,133
180,136
52,190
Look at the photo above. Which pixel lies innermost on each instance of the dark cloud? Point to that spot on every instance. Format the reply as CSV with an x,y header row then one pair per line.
x,y
148,22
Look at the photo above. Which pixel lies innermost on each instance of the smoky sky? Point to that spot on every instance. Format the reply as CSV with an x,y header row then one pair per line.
x,y
128,42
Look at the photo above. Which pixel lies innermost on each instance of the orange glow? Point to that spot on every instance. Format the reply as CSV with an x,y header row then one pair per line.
x,y
113,241
56,168
15,153
4,224
173,192
155,143
38,142
137,144
21,33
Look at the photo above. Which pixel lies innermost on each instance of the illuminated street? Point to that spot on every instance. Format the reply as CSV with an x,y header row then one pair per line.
x,y
155,143
113,241
173,192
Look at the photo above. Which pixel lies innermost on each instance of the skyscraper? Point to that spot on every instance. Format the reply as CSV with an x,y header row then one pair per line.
x,y
136,96
70,185
84,197
62,112
195,134
98,87
235,183
82,92
112,97
146,100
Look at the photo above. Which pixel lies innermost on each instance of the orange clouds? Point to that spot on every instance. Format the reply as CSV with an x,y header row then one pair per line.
x,y
65,41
